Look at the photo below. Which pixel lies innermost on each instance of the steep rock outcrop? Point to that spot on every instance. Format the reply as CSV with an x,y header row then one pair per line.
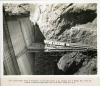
x,y
78,63
56,21
75,23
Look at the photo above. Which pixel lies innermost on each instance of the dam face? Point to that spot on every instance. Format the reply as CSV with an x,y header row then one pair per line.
x,y
19,34
20,31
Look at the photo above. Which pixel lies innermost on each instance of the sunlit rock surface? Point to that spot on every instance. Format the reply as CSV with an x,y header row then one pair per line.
x,y
56,21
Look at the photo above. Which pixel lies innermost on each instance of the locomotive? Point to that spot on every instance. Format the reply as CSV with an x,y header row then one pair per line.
x,y
55,43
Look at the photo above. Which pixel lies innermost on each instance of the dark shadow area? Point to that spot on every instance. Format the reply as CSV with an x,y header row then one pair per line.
x,y
75,18
74,67
78,17
90,53
39,37
71,70
63,28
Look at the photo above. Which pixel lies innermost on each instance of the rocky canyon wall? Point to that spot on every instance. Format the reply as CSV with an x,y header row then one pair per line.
x,y
75,23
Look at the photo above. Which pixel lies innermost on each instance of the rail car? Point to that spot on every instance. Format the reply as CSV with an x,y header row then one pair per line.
x,y
56,44
82,46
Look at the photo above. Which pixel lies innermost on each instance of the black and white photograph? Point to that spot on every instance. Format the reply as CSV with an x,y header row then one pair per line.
x,y
50,39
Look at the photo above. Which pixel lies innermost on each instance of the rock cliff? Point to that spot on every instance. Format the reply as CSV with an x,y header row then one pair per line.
x,y
75,23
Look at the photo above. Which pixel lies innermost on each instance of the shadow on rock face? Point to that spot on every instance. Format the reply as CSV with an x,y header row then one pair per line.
x,y
70,64
81,17
39,37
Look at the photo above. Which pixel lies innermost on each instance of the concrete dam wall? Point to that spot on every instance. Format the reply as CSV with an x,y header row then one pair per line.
x,y
20,32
